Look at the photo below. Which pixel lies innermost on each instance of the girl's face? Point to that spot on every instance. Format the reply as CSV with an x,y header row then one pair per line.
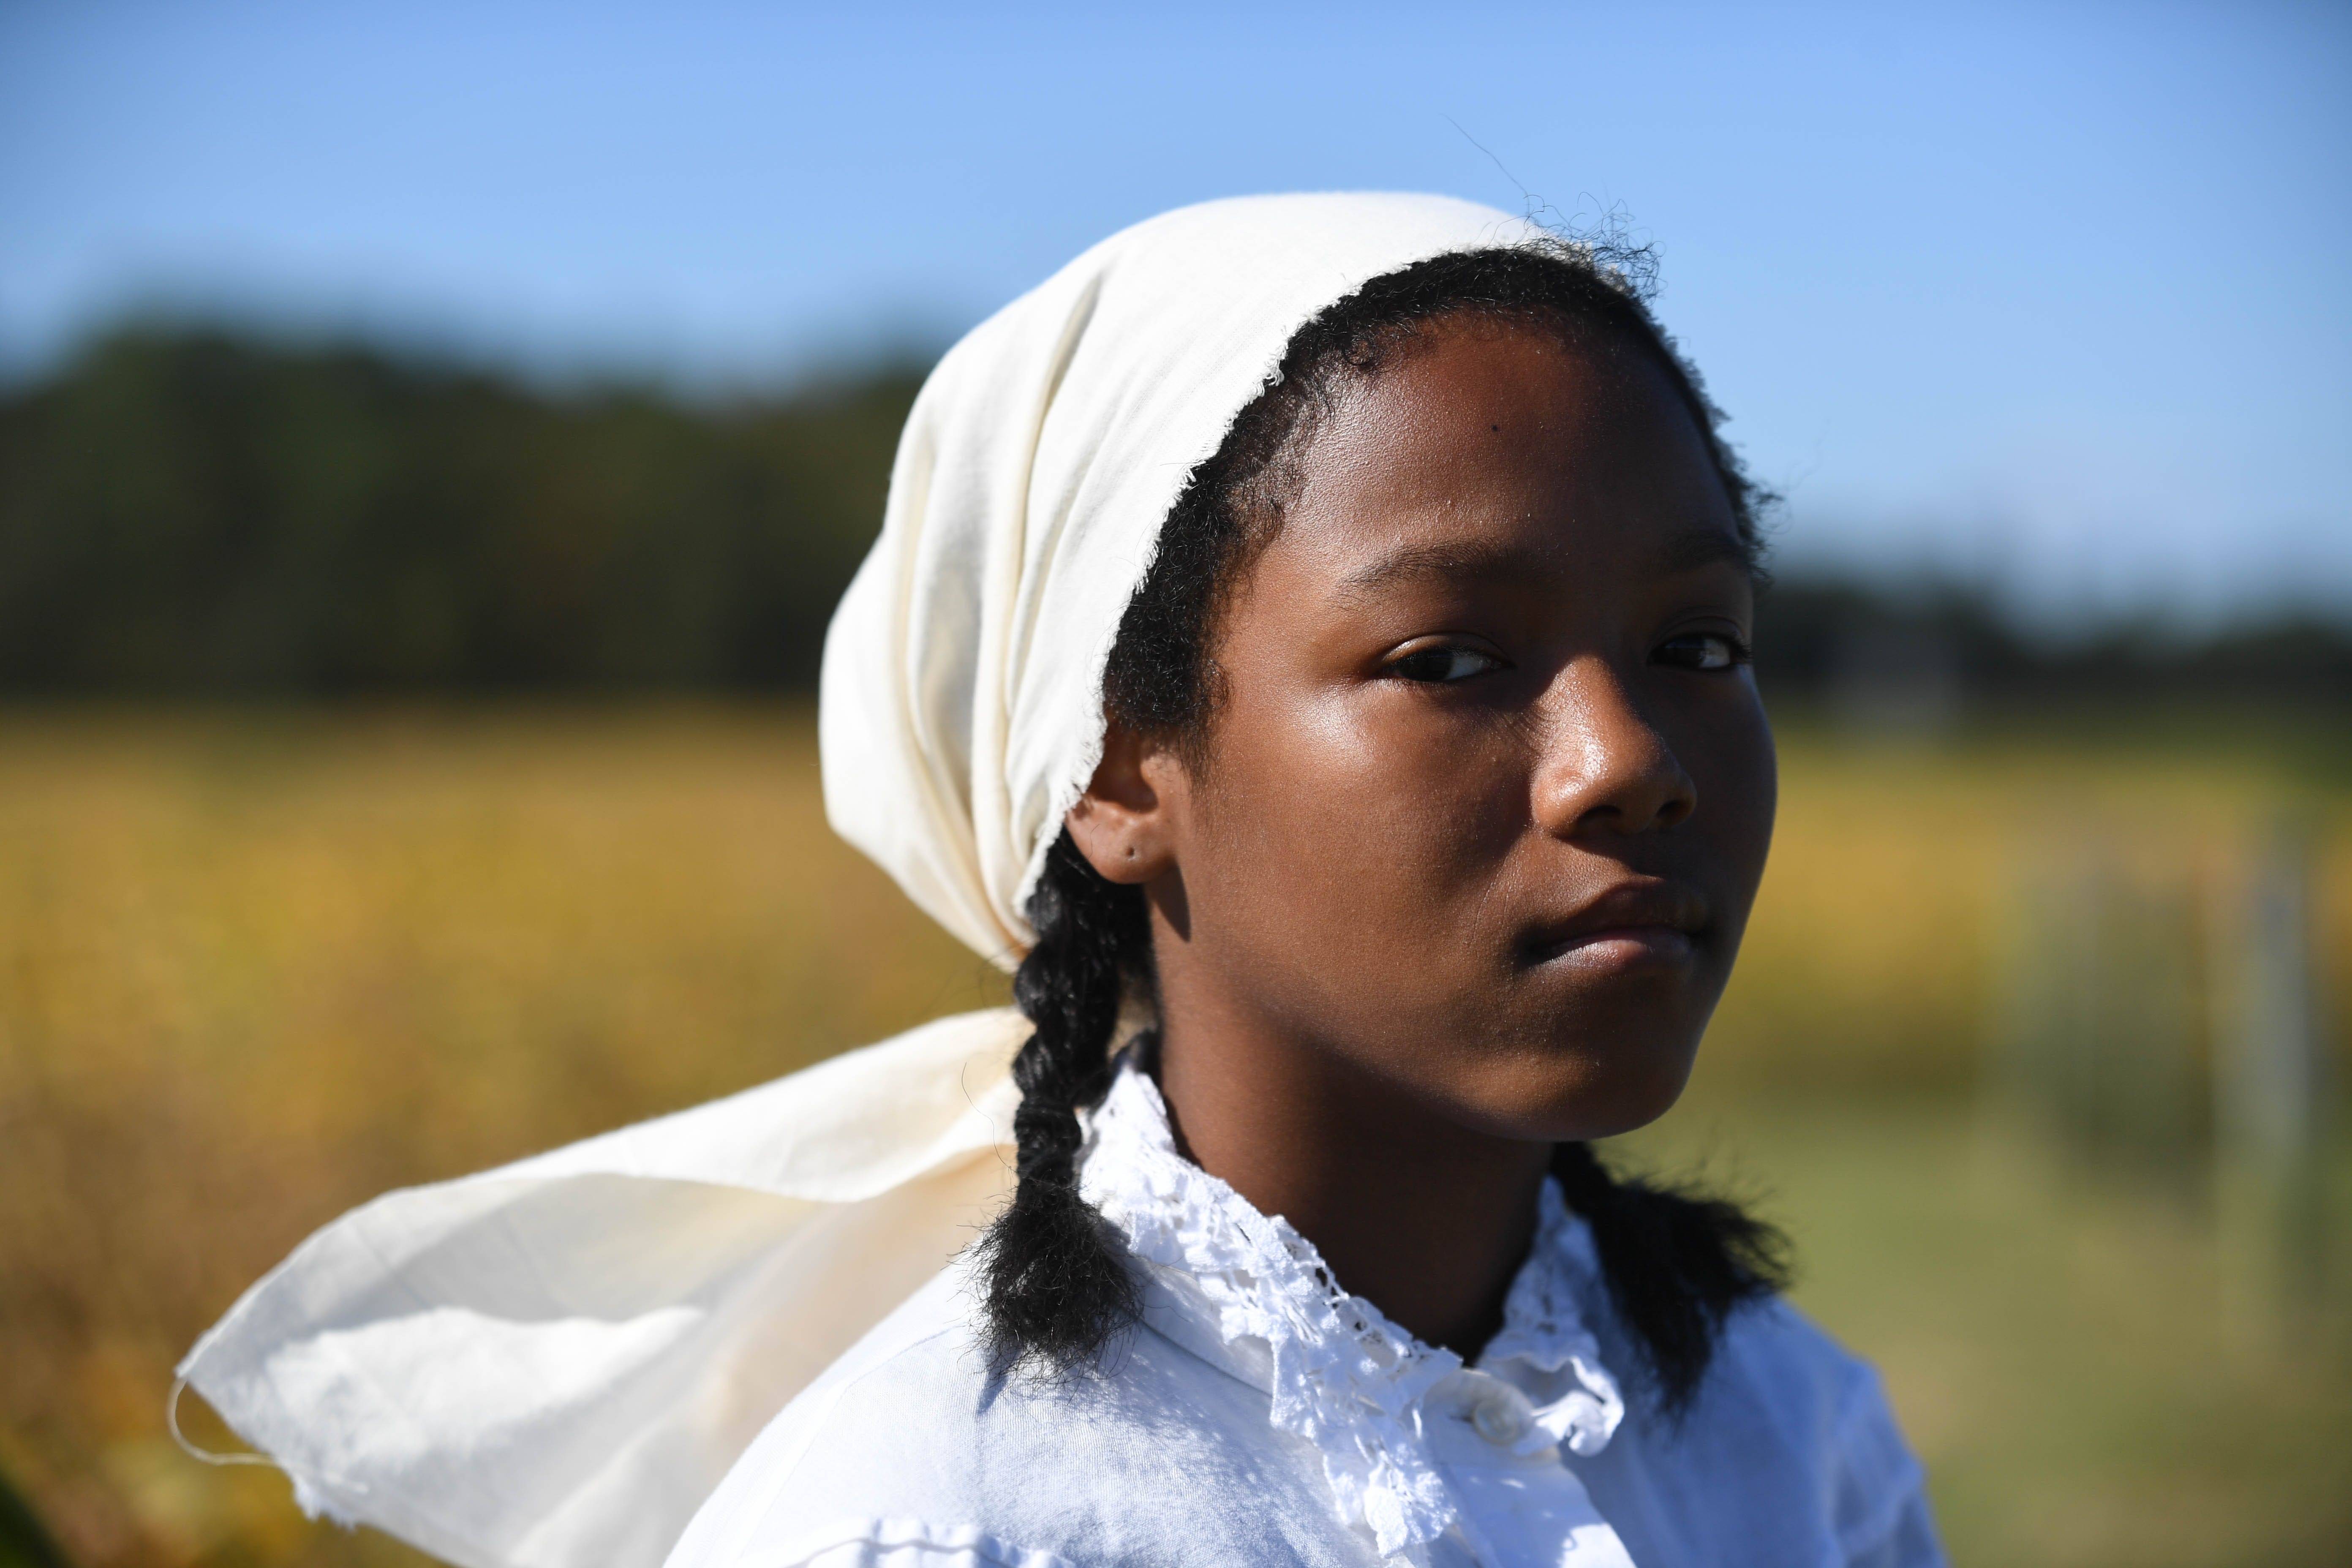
x,y
1488,796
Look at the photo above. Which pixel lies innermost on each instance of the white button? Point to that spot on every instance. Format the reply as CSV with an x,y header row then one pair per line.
x,y
1500,1418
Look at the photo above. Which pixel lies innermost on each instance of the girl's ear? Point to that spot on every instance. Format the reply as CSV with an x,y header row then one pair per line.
x,y
1125,824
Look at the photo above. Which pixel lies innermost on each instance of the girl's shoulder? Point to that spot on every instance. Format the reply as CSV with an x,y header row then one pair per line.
x,y
1790,1437
1773,1357
911,1445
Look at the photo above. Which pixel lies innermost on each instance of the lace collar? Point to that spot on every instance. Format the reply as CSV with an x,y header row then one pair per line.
x,y
1342,1375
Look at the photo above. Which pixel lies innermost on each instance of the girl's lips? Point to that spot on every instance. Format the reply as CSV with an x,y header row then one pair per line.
x,y
1617,947
1639,922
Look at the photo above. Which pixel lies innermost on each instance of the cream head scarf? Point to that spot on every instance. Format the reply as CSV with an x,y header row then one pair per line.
x,y
552,1364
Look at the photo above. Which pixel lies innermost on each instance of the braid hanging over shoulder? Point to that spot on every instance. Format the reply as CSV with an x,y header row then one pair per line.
x,y
1056,1275
1677,1264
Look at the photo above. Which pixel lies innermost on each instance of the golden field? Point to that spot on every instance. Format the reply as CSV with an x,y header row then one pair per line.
x,y
256,967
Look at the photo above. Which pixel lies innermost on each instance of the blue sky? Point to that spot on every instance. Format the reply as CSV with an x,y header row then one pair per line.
x,y
2053,294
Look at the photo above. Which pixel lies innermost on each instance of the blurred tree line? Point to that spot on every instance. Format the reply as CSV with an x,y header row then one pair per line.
x,y
196,513
200,512
1951,644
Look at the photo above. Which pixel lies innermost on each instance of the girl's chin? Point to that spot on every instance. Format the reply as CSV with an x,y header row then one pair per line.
x,y
1571,1091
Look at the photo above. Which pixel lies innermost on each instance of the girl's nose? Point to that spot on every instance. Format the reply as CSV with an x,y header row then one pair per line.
x,y
1605,767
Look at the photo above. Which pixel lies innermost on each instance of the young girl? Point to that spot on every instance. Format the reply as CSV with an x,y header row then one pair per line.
x,y
1310,633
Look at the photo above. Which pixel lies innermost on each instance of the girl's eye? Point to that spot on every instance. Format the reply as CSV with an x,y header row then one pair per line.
x,y
1443,663
1703,650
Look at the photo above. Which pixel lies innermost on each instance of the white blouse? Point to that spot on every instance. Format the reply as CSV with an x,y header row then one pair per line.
x,y
1261,1415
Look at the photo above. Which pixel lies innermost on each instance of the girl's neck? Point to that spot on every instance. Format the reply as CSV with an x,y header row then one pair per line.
x,y
1427,1220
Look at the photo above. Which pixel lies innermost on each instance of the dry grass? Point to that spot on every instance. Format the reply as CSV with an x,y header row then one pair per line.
x,y
255,968
1874,952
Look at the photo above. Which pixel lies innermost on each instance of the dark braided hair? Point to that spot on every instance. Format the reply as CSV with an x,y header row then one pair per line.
x,y
1057,1278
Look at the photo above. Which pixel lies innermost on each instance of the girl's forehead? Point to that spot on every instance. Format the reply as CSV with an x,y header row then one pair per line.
x,y
1502,449
1464,364
1470,410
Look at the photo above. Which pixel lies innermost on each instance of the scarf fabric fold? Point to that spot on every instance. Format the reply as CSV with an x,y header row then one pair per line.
x,y
553,1363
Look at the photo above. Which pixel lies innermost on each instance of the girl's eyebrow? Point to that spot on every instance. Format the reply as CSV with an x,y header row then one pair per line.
x,y
1470,562
1688,549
